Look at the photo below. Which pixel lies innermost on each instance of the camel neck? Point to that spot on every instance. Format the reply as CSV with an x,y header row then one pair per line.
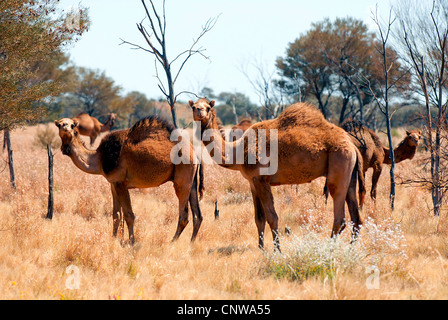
x,y
402,152
106,126
85,159
221,151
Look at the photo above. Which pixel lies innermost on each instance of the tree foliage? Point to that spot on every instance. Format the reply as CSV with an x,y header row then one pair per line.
x,y
32,34
335,58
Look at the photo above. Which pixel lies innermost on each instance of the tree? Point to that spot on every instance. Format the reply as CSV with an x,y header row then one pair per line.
x,y
336,59
158,48
95,91
234,105
307,67
423,33
31,35
383,98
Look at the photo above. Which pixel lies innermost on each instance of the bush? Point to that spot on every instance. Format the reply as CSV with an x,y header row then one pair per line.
x,y
315,255
47,136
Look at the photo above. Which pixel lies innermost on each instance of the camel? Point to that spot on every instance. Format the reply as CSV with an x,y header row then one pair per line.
x,y
138,157
308,147
91,127
243,125
374,153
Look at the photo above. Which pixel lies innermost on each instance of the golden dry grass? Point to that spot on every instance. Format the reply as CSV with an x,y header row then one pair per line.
x,y
408,246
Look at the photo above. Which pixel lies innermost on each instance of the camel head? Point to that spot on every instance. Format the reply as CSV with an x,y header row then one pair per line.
x,y
413,137
111,117
202,110
68,129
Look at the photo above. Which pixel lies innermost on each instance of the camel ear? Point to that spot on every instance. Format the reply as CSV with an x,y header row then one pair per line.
x,y
420,132
408,133
212,103
56,122
75,124
191,103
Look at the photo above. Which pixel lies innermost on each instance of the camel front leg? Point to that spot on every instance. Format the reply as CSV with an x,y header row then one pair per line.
x,y
183,194
264,193
375,177
260,217
116,211
125,202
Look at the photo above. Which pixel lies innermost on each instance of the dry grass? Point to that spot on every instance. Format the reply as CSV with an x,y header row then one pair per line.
x,y
409,246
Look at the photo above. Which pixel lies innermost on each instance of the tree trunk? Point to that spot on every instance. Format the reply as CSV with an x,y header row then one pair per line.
x,y
171,98
392,160
10,158
50,184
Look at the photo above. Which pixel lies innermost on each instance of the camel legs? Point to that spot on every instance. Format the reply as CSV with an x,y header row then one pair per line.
x,y
264,194
353,205
183,180
375,177
93,138
338,181
124,200
195,209
116,210
260,217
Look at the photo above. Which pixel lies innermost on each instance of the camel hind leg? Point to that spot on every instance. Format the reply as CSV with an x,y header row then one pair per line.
x,y
341,166
195,208
183,181
353,205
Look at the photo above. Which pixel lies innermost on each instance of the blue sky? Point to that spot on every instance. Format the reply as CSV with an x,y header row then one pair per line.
x,y
247,32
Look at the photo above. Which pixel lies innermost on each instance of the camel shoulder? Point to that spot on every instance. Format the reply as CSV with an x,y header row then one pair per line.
x,y
110,149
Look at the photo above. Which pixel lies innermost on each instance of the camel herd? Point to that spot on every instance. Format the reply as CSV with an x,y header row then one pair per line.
x,y
309,147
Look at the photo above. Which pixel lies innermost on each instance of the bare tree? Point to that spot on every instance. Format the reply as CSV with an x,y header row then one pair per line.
x,y
382,98
270,94
423,33
158,48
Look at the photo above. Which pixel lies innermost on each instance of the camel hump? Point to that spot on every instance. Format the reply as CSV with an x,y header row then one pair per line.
x,y
352,125
110,149
361,132
302,114
149,126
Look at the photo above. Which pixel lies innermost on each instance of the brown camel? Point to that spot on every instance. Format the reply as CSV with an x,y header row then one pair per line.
x,y
308,147
138,157
374,153
240,128
91,127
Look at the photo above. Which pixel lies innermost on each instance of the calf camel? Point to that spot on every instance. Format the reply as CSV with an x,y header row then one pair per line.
x,y
91,127
308,147
138,157
374,153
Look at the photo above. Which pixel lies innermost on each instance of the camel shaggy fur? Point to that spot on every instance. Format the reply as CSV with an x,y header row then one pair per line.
x,y
308,147
136,158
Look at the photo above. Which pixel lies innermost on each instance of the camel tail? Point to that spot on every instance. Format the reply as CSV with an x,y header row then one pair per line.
x,y
361,180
